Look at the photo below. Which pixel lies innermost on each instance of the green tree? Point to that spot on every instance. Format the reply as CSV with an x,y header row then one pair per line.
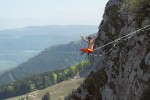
x,y
31,86
47,82
65,73
60,77
10,89
39,82
72,71
54,77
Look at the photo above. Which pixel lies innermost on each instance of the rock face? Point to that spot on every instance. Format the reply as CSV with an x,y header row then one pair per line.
x,y
124,72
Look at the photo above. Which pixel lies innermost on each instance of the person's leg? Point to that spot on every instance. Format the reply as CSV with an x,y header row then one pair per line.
x,y
88,56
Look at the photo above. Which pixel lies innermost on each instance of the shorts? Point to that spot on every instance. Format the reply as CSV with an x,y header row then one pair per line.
x,y
86,50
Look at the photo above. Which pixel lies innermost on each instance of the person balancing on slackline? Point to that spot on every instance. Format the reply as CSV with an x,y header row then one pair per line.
x,y
90,42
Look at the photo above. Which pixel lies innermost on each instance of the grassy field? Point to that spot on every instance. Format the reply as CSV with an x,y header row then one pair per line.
x,y
58,91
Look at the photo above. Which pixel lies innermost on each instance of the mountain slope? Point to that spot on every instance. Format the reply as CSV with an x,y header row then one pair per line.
x,y
18,45
43,80
124,72
55,57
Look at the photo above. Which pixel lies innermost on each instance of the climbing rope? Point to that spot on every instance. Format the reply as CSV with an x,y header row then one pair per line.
x,y
108,50
121,38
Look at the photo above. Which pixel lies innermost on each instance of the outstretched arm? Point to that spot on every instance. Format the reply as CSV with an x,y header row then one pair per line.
x,y
94,38
83,38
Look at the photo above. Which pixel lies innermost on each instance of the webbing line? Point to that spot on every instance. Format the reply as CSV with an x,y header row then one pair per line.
x,y
142,29
122,37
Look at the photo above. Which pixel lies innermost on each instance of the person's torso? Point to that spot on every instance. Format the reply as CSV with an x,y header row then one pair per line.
x,y
90,44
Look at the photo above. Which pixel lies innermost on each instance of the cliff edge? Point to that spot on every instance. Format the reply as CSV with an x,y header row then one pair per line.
x,y
124,72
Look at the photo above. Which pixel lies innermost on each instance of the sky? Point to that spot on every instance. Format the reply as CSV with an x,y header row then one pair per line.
x,y
23,13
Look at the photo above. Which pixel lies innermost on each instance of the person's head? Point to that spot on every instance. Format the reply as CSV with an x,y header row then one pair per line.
x,y
89,38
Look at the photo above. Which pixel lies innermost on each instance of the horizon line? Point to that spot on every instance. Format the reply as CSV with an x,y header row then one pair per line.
x,y
30,26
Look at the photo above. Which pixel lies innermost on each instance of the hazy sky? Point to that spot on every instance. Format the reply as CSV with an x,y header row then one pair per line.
x,y
21,13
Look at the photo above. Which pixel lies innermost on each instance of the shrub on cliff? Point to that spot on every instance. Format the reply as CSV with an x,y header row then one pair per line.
x,y
139,8
135,5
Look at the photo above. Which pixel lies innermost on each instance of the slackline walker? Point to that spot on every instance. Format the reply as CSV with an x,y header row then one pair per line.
x,y
90,41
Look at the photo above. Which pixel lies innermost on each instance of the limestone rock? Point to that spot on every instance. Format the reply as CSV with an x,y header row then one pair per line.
x,y
127,66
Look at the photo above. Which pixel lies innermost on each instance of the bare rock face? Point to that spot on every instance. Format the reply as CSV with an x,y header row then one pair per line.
x,y
127,66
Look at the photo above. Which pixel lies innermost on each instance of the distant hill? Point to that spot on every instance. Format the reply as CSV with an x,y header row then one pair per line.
x,y
18,45
55,57
40,37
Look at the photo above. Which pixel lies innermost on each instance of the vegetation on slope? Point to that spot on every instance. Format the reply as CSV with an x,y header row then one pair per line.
x,y
53,58
57,92
41,81
135,6
18,45
139,8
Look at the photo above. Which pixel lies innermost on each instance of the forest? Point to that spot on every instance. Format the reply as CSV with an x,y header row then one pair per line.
x,y
41,81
